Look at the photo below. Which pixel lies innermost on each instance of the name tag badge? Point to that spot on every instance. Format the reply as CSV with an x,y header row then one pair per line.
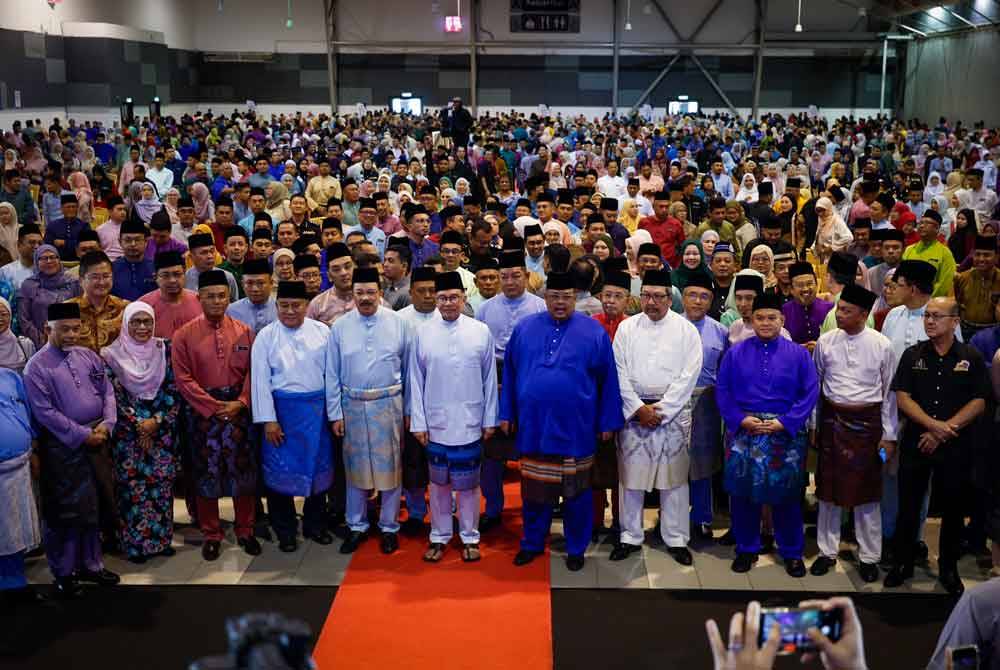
x,y
962,366
920,365
241,347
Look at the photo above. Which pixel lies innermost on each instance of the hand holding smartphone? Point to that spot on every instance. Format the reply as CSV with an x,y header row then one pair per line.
x,y
793,624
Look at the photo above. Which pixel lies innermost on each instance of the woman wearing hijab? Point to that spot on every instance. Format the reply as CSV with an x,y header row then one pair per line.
x,y
49,284
277,202
692,262
632,245
171,201
144,443
832,234
284,266
147,205
748,190
603,248
629,215
290,183
15,350
935,187
204,210
81,188
762,260
8,233
963,237
731,314
709,239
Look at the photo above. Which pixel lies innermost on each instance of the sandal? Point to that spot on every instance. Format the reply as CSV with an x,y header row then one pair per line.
x,y
434,552
470,553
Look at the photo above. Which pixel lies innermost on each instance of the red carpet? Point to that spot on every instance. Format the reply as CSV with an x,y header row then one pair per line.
x,y
400,612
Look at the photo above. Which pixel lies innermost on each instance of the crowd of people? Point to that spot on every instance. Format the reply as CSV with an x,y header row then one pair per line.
x,y
380,313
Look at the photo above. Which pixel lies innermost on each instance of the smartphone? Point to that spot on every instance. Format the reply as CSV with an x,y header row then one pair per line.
x,y
965,657
794,622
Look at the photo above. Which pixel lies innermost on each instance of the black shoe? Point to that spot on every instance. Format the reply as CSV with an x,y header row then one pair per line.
x,y
524,557
951,582
795,567
821,566
353,541
702,531
413,527
921,553
338,526
68,588
623,550
137,560
888,558
727,539
868,572
897,576
488,523
743,562
390,543
102,577
288,545
574,563
168,551
210,550
767,543
323,537
262,531
27,595
681,554
250,545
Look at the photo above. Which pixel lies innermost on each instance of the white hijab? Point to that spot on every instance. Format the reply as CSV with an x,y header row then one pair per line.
x,y
747,194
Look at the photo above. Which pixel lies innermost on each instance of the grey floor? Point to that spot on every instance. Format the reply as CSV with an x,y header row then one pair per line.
x,y
652,568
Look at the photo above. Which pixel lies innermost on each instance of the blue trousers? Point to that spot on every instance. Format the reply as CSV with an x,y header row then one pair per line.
x,y
890,507
701,500
12,572
491,482
578,523
416,502
788,529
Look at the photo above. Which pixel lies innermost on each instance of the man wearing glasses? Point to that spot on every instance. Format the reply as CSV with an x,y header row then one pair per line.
x,y
366,363
941,387
453,409
658,355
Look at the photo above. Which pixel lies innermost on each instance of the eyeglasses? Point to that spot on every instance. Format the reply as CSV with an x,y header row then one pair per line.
x,y
653,297
932,316
309,275
450,252
47,258
448,299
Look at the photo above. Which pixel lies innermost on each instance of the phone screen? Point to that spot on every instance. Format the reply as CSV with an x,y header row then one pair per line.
x,y
794,623
965,658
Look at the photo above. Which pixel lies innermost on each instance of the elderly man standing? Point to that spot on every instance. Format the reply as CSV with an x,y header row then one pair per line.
x,y
453,409
289,393
211,360
501,314
366,361
658,355
857,420
766,391
74,405
941,387
560,395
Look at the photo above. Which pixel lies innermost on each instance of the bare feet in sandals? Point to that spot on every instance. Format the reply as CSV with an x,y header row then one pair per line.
x,y
434,552
470,553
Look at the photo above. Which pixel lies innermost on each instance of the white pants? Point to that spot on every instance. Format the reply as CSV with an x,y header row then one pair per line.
x,y
357,510
675,513
867,528
467,504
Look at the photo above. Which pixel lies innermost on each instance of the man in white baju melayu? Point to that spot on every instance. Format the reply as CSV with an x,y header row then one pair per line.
x,y
658,354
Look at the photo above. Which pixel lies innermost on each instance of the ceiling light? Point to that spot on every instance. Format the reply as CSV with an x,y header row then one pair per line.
x,y
912,30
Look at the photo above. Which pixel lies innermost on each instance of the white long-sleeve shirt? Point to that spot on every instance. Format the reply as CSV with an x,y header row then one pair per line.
x,y
284,359
905,327
858,370
452,381
657,359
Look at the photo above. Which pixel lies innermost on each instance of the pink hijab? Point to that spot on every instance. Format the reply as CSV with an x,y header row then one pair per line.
x,y
204,210
141,368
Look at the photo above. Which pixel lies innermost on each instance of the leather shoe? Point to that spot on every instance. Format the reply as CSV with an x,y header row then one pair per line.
x,y
68,588
250,545
101,577
390,543
921,553
727,539
821,566
897,576
681,554
702,531
524,557
353,541
743,562
795,567
574,563
623,550
323,537
210,550
413,527
868,572
488,523
288,545
951,582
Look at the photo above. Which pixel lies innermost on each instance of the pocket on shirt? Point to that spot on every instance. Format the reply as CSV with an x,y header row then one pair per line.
x,y
472,411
